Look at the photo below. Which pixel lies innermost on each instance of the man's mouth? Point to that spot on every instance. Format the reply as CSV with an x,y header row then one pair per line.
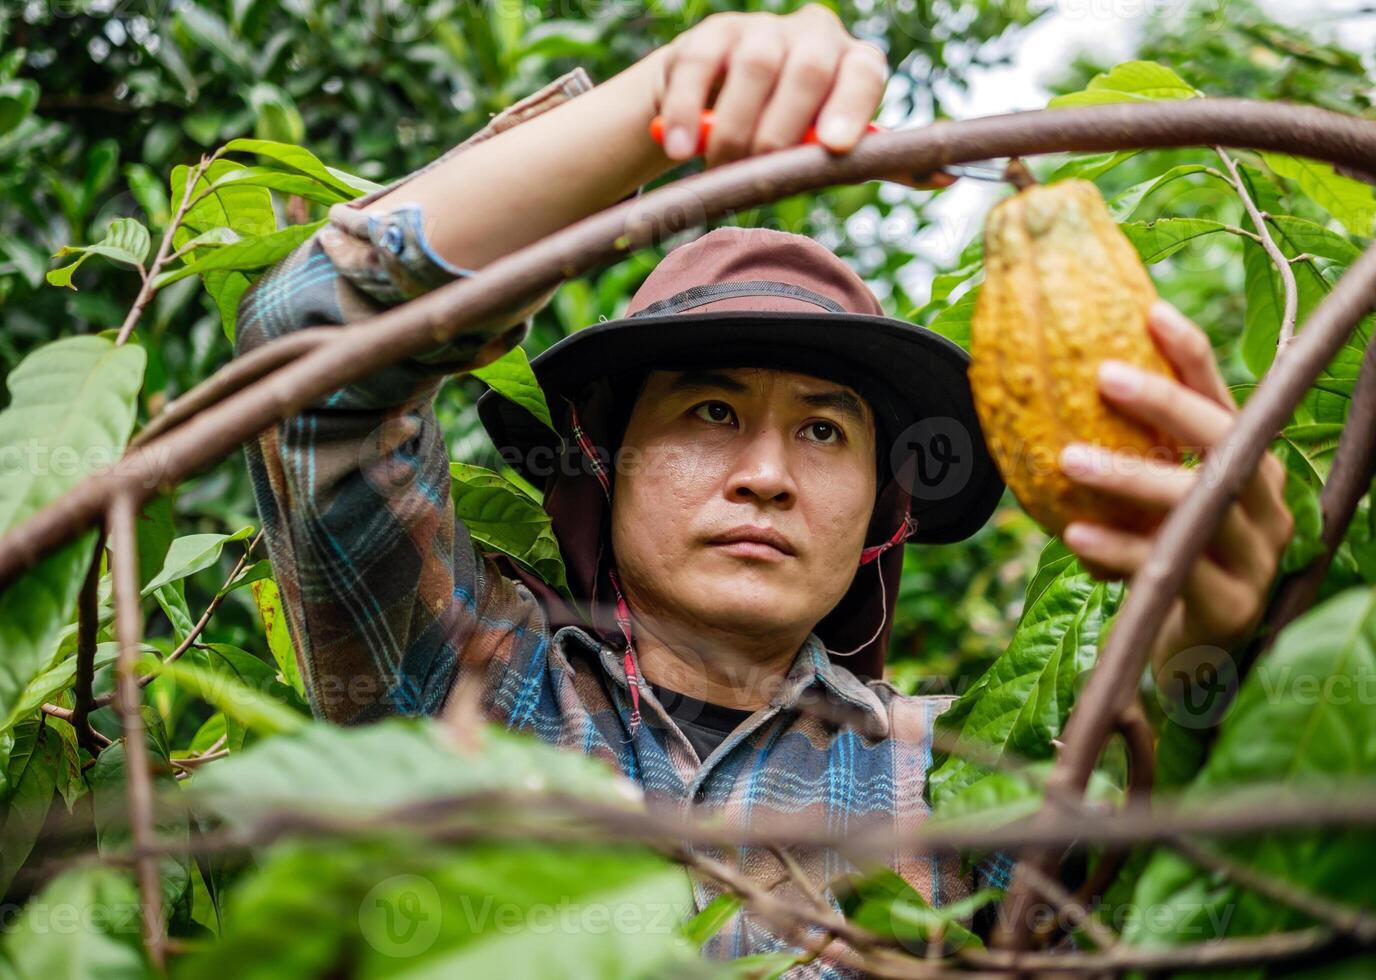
x,y
753,541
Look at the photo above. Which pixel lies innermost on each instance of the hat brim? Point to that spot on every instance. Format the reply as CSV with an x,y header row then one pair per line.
x,y
914,378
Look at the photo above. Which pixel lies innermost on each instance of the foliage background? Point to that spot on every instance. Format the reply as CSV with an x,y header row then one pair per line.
x,y
100,100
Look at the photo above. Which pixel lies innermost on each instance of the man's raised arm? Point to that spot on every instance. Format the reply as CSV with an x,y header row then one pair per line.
x,y
354,491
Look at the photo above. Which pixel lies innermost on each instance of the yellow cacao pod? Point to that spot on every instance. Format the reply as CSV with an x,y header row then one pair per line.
x,y
1063,290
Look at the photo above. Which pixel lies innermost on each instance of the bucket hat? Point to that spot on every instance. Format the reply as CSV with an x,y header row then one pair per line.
x,y
755,297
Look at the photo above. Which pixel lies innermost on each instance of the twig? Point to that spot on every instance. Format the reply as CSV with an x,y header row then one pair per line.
x,y
1056,893
147,290
505,284
128,702
191,637
95,741
1287,275
1337,916
87,626
1215,954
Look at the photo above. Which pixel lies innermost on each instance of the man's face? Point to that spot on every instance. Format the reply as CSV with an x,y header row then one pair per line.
x,y
743,499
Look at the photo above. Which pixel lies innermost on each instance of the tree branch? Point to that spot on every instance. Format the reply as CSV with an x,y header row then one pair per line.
x,y
128,702
1341,918
1354,465
87,626
455,308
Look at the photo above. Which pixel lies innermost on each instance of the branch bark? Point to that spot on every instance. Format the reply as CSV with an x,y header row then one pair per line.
x,y
446,312
1354,465
87,626
128,702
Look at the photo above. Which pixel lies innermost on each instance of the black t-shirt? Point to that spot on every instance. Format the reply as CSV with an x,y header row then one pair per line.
x,y
706,724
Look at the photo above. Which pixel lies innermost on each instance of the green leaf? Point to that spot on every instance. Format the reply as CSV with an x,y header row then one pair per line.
x,y
712,919
884,903
953,323
319,769
190,554
208,30
18,96
1162,238
1314,238
71,411
1132,81
222,677
511,377
269,603
1123,204
403,907
1300,718
248,254
1089,166
1302,500
303,161
126,241
108,779
1352,202
278,118
500,516
47,686
1022,701
285,181
108,948
156,532
969,265
30,778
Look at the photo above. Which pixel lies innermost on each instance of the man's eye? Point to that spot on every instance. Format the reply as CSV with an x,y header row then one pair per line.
x,y
717,412
824,432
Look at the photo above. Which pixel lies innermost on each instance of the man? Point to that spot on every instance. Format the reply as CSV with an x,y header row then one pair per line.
x,y
736,464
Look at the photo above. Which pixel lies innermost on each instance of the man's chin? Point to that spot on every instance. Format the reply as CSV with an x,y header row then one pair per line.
x,y
745,604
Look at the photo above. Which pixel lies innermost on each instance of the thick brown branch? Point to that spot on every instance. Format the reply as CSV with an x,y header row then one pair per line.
x,y
128,702
454,308
1354,465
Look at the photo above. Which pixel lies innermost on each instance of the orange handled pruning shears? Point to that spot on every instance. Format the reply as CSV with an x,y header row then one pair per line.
x,y
705,130
932,181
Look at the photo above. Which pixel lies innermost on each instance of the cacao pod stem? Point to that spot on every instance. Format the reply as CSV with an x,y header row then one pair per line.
x,y
1017,174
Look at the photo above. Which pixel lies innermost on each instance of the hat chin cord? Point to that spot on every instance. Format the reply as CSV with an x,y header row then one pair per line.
x,y
623,610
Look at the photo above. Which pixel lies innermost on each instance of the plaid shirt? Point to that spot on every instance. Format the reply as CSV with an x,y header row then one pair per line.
x,y
391,606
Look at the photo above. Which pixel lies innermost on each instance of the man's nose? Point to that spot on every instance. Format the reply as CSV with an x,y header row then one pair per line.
x,y
763,470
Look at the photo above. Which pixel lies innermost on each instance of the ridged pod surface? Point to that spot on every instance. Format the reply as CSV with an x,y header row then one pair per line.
x,y
1063,290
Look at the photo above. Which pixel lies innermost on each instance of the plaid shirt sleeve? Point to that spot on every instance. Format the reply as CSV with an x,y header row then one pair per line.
x,y
353,492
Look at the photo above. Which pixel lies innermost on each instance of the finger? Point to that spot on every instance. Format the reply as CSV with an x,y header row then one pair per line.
x,y
750,76
1219,603
1239,543
1190,418
803,85
690,77
854,98
1193,420
1189,351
